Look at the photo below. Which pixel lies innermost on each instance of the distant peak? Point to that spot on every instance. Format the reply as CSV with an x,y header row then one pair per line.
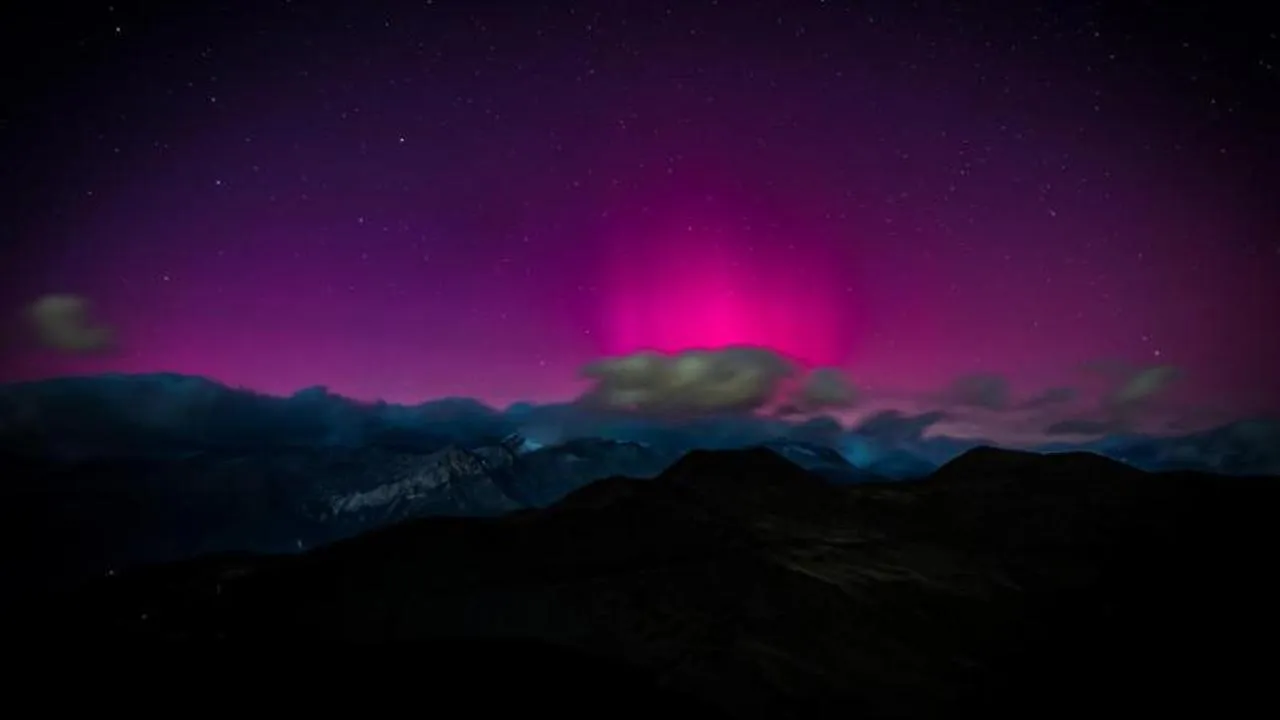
x,y
752,465
987,460
990,453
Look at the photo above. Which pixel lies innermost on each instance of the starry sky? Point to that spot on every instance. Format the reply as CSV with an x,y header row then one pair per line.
x,y
410,200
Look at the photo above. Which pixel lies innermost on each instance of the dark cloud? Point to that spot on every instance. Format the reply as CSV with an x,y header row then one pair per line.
x,y
166,413
64,322
895,427
1053,397
1083,426
820,430
991,391
985,390
1126,405
823,389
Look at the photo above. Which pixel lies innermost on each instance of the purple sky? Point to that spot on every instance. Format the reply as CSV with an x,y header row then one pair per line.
x,y
414,200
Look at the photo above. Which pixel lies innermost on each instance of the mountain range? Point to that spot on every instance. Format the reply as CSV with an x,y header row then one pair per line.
x,y
100,515
109,472
738,584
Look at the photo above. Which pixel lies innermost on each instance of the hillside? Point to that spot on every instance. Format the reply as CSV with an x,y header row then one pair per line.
x,y
1007,581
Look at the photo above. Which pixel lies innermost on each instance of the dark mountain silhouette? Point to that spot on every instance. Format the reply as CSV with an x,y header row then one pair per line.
x,y
113,512
116,512
1007,584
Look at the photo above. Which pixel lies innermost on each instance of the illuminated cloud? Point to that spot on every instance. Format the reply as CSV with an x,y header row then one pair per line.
x,y
694,382
63,322
735,379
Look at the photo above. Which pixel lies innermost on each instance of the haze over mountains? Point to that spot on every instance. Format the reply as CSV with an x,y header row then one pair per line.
x,y
157,415
108,472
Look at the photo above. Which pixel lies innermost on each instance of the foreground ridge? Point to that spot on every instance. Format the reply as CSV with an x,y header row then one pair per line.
x,y
739,580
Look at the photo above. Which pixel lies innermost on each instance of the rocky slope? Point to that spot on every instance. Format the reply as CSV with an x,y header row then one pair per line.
x,y
1007,584
116,512
824,461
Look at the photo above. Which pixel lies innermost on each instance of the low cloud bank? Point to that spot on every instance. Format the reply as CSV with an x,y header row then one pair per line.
x,y
172,414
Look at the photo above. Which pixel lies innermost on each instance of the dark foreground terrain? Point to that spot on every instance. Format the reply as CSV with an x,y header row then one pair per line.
x,y
1007,583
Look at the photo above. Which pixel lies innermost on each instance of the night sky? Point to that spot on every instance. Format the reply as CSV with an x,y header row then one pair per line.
x,y
410,200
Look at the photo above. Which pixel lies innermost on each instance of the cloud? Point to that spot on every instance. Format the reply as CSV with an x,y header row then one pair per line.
x,y
823,389
1053,397
63,322
697,383
690,383
821,430
1143,384
1129,405
1083,426
895,427
988,391
145,415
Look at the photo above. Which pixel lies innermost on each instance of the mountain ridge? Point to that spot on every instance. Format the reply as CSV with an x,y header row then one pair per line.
x,y
994,461
894,601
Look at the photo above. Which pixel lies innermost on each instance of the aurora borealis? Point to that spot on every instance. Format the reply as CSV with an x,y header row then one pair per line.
x,y
406,201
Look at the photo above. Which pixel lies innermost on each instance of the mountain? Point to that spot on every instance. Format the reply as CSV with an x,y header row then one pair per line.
x,y
453,481
1006,584
1239,448
116,512
544,475
824,461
